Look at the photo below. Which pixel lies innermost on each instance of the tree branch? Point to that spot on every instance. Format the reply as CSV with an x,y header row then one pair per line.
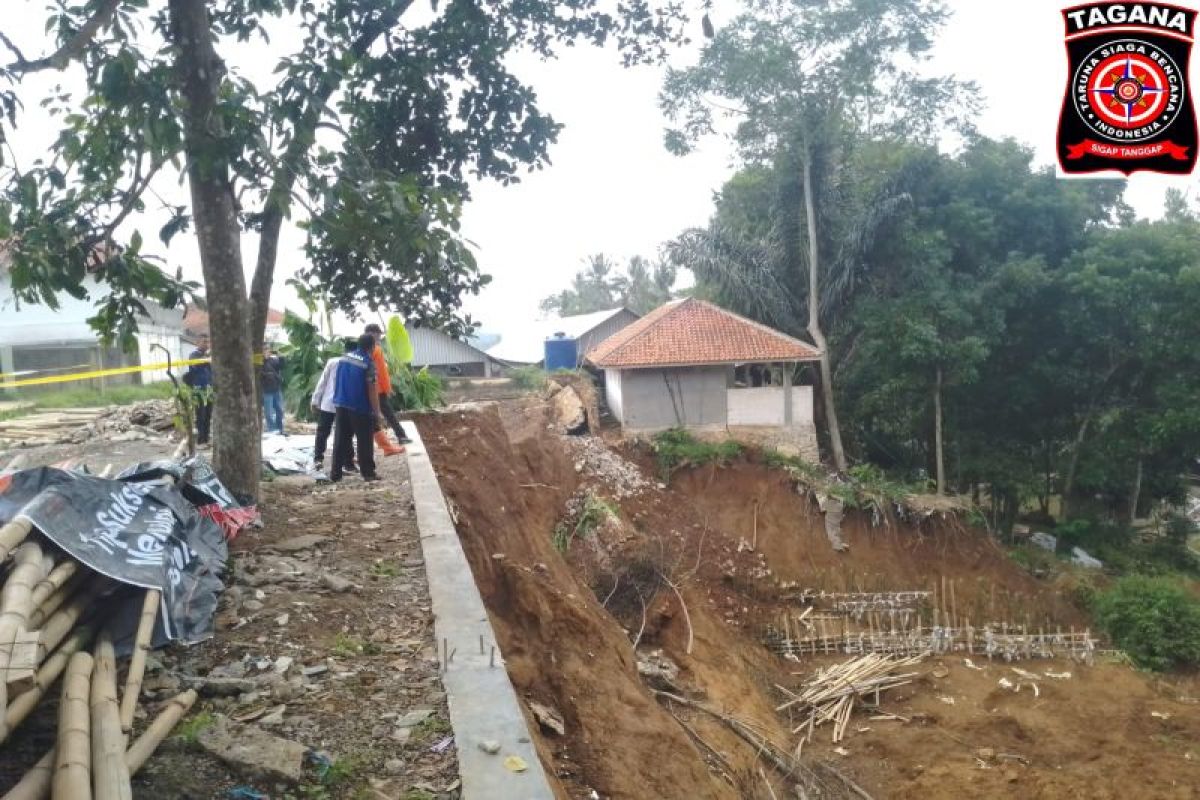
x,y
73,47
285,174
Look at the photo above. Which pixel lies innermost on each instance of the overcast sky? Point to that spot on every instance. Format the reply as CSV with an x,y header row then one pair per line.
x,y
612,187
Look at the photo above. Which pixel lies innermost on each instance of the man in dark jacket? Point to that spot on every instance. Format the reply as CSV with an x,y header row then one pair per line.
x,y
272,390
199,377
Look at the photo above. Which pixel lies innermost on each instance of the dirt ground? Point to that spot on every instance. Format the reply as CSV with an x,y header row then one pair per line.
x,y
567,608
371,649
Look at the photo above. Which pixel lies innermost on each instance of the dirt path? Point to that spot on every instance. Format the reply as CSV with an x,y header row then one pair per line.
x,y
325,641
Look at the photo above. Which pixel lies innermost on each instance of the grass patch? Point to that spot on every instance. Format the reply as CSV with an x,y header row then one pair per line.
x,y
190,729
531,379
88,398
348,646
676,449
385,569
418,794
430,729
595,512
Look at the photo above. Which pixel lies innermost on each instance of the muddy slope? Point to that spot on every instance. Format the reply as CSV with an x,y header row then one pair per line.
x,y
566,621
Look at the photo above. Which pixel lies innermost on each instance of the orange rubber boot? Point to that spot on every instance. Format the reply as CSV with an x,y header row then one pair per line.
x,y
382,442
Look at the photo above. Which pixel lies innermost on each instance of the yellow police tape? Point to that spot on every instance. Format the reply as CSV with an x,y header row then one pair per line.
x,y
107,373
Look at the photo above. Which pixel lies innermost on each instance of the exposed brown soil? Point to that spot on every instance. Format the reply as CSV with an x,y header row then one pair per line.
x,y
566,622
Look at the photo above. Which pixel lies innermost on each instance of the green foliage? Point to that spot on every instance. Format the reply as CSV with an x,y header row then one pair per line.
x,y
190,729
1155,620
600,286
594,513
306,352
676,449
424,102
430,729
531,379
418,391
397,344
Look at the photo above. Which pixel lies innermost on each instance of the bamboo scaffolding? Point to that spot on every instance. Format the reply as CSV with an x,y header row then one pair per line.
x,y
55,580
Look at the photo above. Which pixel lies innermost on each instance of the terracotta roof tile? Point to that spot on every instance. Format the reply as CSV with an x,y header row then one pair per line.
x,y
692,332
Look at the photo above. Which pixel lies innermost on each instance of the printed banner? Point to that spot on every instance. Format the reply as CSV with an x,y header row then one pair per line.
x,y
139,534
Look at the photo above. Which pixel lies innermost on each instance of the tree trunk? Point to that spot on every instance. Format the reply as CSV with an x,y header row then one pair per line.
x,y
237,443
1135,496
937,433
1073,464
814,321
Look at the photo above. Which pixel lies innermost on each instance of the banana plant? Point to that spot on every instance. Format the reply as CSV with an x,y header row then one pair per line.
x,y
418,391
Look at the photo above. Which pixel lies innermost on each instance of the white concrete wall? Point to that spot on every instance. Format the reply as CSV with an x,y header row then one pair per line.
x,y
802,405
696,397
612,394
149,335
763,405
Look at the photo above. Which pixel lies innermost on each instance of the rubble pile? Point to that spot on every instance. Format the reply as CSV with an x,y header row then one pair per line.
x,y
148,419
595,461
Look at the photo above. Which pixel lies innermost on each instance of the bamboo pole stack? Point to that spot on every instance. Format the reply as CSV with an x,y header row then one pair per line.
x,y
49,618
832,694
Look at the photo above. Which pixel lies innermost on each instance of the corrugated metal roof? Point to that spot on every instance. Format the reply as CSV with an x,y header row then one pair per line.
x,y
526,345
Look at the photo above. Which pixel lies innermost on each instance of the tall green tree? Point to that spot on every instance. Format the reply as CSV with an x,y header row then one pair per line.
x,y
603,284
365,136
807,81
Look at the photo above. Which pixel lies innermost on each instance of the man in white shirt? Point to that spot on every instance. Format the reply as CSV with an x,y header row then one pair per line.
x,y
324,409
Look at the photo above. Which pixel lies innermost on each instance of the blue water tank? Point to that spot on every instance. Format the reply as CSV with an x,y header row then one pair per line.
x,y
561,353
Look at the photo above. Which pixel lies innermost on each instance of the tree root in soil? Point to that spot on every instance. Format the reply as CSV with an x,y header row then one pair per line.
x,y
807,776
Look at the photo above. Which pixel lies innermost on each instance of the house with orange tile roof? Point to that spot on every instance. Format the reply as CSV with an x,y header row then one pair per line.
x,y
691,364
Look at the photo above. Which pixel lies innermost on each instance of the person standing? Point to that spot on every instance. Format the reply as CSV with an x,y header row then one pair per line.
x,y
356,414
385,397
199,378
324,409
271,376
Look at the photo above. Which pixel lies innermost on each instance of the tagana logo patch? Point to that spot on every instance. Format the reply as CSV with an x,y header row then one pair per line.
x,y
1128,105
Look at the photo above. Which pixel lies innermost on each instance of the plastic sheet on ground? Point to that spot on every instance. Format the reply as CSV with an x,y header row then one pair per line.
x,y
139,532
201,486
290,455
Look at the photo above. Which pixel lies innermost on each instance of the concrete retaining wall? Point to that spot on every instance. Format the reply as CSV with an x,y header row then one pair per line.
x,y
483,704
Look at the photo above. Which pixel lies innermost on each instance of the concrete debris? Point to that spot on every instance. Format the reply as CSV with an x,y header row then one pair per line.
x,y
1081,558
335,583
833,508
414,718
569,414
297,543
253,752
595,461
657,669
1045,541
548,718
490,746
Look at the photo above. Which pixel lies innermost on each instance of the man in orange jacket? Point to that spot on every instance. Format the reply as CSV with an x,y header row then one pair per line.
x,y
384,383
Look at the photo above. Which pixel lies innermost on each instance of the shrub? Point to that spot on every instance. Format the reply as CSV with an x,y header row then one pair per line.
x,y
531,379
676,448
418,391
1155,620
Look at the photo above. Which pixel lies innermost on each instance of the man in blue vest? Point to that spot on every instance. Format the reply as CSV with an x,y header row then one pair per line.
x,y
356,411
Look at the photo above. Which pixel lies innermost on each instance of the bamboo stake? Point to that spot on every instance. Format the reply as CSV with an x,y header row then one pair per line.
x,y
15,607
54,602
145,745
137,662
35,784
110,773
12,535
57,578
47,674
73,757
